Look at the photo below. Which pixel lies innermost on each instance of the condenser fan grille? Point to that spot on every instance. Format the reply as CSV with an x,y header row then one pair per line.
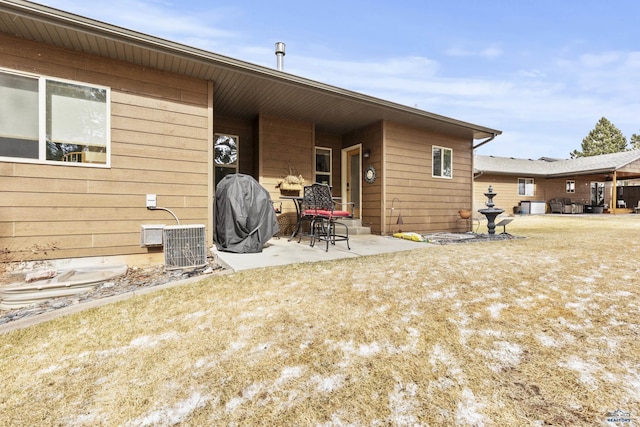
x,y
184,246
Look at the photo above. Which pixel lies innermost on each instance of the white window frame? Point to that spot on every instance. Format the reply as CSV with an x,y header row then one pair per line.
x,y
438,173
323,173
42,122
571,186
529,187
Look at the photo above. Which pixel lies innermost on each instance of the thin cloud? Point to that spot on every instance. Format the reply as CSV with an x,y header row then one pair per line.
x,y
489,52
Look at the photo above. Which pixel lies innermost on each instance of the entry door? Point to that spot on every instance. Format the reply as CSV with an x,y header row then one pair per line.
x,y
352,178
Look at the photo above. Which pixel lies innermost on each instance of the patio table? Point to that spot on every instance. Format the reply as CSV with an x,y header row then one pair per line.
x,y
297,201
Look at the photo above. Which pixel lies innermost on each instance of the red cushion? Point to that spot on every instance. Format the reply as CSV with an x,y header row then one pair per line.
x,y
326,213
329,214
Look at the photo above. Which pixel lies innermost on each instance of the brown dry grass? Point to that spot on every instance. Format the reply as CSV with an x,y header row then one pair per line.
x,y
539,331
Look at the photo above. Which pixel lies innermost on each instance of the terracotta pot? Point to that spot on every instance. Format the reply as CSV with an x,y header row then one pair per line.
x,y
464,213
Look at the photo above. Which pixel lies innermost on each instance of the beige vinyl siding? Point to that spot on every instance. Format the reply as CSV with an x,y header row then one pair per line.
x,y
506,189
371,139
159,133
244,130
427,203
283,143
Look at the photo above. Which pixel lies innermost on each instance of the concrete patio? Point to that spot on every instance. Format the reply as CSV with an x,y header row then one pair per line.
x,y
283,252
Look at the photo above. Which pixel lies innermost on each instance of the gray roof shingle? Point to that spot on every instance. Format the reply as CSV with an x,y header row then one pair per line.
x,y
550,167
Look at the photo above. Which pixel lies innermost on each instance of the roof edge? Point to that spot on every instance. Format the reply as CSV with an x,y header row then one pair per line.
x,y
80,23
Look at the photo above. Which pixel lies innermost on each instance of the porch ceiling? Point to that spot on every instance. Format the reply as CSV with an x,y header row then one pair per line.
x,y
242,89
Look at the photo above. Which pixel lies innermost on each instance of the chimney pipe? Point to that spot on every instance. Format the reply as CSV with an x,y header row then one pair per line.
x,y
280,54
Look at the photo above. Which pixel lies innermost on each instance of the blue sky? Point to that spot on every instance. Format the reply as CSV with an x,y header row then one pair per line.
x,y
542,71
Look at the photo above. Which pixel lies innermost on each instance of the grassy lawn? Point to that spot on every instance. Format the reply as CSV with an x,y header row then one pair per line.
x,y
536,331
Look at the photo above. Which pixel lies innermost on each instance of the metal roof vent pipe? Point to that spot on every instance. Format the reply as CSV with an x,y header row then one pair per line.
x,y
280,54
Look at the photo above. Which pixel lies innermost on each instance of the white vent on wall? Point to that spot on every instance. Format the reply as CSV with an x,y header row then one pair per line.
x,y
184,246
151,235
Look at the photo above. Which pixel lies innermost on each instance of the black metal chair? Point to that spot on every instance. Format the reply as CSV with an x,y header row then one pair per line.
x,y
325,216
307,214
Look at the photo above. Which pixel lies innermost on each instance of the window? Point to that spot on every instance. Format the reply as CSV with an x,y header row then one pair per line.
x,y
571,186
225,155
525,186
323,165
47,120
442,162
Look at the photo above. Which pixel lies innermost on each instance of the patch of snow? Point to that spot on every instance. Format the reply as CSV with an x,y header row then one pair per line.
x,y
172,415
328,384
572,326
237,345
507,352
367,350
584,369
546,340
467,410
633,379
261,347
496,308
440,355
435,295
526,302
247,394
492,333
403,403
503,354
289,373
359,287
622,294
84,420
383,308
413,332
48,370
148,341
196,315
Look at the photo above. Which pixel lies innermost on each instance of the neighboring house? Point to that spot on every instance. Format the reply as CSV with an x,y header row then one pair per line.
x,y
94,117
591,181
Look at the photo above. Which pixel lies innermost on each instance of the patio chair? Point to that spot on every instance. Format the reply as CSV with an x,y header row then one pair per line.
x,y
324,216
307,213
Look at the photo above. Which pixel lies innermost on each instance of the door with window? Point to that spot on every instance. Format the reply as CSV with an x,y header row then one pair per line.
x,y
352,177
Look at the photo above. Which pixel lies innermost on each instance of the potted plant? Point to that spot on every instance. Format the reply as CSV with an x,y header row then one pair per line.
x,y
291,183
464,213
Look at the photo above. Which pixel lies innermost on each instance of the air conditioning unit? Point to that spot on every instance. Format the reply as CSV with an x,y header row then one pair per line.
x,y
184,246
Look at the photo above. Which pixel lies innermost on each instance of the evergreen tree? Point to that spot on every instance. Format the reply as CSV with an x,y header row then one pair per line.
x,y
635,141
605,138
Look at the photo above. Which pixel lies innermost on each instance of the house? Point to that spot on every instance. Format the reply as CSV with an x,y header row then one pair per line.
x,y
94,117
589,181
